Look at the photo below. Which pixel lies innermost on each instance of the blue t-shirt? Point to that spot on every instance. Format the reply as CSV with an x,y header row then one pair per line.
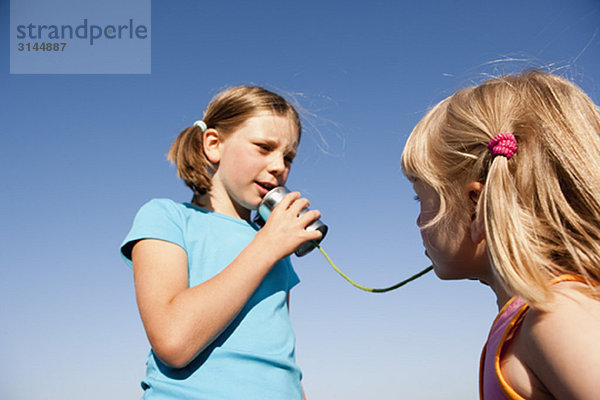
x,y
254,357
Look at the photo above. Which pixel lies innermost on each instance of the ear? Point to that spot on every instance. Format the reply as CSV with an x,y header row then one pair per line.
x,y
211,142
473,193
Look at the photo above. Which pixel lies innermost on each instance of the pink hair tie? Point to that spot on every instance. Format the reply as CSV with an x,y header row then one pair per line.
x,y
503,144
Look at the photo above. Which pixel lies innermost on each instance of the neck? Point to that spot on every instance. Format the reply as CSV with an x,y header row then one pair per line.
x,y
207,202
502,294
202,201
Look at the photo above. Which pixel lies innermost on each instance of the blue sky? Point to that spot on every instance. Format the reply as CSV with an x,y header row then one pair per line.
x,y
81,153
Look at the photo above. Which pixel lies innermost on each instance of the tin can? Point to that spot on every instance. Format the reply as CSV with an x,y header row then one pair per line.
x,y
271,200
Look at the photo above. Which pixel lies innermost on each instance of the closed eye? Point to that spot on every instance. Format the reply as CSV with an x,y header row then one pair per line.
x,y
263,146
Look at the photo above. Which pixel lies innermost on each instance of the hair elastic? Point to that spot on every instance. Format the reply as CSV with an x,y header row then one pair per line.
x,y
201,124
503,144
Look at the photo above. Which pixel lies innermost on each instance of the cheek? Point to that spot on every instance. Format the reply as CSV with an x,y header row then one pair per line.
x,y
425,216
428,237
285,174
245,159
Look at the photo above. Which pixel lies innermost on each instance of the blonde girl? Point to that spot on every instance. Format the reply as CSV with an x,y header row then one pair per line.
x,y
508,177
211,288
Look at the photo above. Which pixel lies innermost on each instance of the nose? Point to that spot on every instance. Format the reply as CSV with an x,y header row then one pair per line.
x,y
277,164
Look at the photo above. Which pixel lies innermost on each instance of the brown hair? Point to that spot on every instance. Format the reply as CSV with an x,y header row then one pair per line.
x,y
226,111
541,208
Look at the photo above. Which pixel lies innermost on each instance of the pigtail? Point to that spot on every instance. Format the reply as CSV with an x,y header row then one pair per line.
x,y
542,207
512,237
187,153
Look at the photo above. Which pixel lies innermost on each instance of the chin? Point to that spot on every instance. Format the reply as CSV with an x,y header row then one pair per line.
x,y
446,275
253,205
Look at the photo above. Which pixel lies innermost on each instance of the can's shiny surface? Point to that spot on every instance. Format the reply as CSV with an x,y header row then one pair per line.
x,y
271,200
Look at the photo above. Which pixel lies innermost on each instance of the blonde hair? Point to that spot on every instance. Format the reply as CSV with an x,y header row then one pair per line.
x,y
227,111
541,208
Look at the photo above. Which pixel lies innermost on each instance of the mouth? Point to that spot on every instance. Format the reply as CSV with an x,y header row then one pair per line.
x,y
265,187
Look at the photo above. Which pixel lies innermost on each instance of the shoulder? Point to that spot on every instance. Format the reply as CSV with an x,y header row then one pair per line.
x,y
560,345
161,219
157,210
160,206
571,314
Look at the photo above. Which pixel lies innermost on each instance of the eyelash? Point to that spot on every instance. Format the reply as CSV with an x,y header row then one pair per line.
x,y
417,199
263,147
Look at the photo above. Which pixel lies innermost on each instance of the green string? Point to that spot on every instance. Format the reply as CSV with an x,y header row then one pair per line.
x,y
367,289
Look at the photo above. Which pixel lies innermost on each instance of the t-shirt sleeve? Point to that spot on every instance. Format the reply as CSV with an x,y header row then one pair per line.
x,y
157,219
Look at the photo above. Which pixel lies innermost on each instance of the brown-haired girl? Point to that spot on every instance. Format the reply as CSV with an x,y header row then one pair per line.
x,y
508,177
212,289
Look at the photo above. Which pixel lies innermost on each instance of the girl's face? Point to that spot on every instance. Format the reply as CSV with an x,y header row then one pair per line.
x,y
250,161
454,253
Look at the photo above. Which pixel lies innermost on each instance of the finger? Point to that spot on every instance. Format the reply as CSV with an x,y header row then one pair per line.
x,y
309,217
288,199
298,205
314,234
